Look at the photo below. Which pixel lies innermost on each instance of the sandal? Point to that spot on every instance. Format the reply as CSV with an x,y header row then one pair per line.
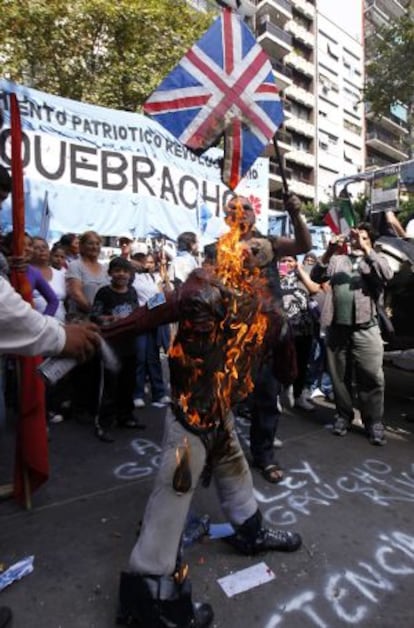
x,y
272,473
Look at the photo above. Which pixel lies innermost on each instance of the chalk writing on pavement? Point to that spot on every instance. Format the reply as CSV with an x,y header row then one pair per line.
x,y
348,595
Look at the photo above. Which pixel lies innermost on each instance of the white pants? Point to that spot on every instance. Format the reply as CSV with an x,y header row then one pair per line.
x,y
155,552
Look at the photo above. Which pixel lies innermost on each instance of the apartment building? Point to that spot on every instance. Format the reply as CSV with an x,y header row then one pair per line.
x,y
318,66
340,79
384,137
285,29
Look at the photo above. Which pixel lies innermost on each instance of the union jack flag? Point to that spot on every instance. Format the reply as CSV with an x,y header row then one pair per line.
x,y
223,86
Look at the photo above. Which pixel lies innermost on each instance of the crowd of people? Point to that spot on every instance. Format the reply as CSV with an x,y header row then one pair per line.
x,y
321,337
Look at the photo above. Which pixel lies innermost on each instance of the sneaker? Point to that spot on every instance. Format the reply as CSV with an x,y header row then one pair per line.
x,y
340,427
139,403
56,418
277,443
317,393
376,434
165,399
304,404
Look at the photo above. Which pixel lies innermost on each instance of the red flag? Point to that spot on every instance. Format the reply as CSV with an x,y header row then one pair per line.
x,y
32,459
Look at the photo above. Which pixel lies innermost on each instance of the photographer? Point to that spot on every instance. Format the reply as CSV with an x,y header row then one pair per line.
x,y
357,278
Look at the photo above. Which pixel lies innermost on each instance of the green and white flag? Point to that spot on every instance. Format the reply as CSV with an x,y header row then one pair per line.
x,y
340,218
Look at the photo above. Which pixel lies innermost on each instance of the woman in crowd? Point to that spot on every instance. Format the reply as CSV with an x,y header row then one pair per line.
x,y
297,287
57,397
57,257
38,283
148,285
55,278
84,277
71,245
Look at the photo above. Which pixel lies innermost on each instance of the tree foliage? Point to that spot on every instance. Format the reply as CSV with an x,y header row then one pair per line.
x,y
390,72
109,53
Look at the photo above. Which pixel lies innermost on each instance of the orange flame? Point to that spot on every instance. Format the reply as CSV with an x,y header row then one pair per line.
x,y
244,328
250,323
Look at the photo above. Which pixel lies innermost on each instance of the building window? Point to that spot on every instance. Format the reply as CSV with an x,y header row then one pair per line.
x,y
353,128
333,51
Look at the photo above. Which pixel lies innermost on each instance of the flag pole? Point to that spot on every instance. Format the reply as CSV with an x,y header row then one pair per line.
x,y
32,459
281,168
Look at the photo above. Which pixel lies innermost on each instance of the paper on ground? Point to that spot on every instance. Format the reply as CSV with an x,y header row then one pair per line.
x,y
246,579
16,571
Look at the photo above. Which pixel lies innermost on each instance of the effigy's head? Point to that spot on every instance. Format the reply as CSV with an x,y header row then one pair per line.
x,y
239,212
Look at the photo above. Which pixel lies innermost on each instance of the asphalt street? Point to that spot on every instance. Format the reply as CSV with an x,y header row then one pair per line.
x,y
352,503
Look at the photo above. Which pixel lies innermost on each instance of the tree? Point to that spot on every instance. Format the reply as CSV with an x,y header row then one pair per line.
x,y
109,53
390,72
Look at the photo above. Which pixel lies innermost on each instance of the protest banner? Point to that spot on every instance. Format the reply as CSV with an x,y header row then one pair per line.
x,y
114,171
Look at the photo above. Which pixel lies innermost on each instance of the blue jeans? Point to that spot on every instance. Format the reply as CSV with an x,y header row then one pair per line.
x,y
318,376
149,363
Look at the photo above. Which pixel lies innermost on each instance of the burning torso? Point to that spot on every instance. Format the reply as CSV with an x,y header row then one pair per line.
x,y
222,327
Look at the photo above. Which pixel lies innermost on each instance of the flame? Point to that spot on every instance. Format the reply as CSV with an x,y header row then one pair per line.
x,y
250,324
181,574
182,479
240,335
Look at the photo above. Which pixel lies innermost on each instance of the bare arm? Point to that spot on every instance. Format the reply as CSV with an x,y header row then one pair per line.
x,y
310,285
395,224
302,241
75,292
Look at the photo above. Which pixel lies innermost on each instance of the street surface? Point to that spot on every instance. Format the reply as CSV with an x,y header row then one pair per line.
x,y
352,503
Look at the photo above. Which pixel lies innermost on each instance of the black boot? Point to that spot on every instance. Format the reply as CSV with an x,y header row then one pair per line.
x,y
159,602
252,538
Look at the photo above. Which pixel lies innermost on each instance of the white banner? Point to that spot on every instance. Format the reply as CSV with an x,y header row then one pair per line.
x,y
115,171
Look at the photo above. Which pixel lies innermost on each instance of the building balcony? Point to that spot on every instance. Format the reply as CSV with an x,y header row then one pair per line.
x,y
274,40
284,142
300,95
276,204
373,162
388,9
283,75
279,10
275,176
390,122
302,189
300,64
386,144
301,157
300,33
306,8
300,126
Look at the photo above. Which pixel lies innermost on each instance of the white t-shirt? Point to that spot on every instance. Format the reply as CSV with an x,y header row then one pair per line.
x,y
181,266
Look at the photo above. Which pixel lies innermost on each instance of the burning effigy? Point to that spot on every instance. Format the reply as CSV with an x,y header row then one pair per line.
x,y
224,318
227,323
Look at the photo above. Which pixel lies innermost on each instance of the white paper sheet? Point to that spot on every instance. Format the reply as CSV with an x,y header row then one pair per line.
x,y
246,579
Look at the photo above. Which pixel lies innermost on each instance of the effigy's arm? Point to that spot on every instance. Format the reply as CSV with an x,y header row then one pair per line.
x,y
144,319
